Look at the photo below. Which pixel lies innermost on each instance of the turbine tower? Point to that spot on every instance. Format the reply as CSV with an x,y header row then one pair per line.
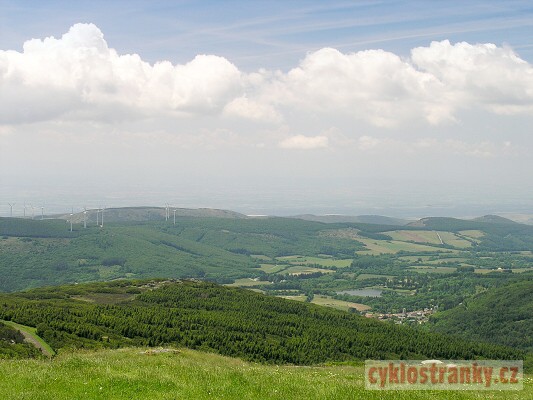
x,y
42,213
174,216
32,211
97,211
24,210
11,209
71,216
85,217
103,209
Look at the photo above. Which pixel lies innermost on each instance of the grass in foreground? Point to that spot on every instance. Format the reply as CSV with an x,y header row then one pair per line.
x,y
136,373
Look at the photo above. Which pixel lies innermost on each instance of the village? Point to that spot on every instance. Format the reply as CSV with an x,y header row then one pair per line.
x,y
411,318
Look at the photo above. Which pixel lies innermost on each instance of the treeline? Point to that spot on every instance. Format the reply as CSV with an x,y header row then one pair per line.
x,y
228,321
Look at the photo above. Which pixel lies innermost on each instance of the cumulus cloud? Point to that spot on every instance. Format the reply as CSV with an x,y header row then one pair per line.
x,y
480,74
304,142
55,77
79,77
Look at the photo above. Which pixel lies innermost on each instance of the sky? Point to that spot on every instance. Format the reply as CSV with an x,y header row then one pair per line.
x,y
402,108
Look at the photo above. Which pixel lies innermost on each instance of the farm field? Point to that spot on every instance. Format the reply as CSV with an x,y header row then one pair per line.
x,y
304,269
362,277
376,247
247,282
431,237
338,304
272,268
444,260
473,234
323,261
433,269
298,297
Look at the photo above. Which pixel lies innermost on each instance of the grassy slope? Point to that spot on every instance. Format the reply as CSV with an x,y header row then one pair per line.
x,y
188,374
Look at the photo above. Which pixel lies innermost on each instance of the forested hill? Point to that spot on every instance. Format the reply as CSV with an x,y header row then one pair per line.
x,y
229,321
502,315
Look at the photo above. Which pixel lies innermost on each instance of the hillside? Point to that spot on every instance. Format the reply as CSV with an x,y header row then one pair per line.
x,y
494,219
502,315
37,253
366,219
143,214
230,321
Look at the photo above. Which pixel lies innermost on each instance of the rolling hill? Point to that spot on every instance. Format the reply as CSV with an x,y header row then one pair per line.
x,y
230,321
366,219
143,214
503,315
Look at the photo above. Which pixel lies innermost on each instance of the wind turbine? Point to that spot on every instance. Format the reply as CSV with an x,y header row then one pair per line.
x,y
11,209
174,216
71,216
103,209
42,213
85,217
32,211
24,210
97,211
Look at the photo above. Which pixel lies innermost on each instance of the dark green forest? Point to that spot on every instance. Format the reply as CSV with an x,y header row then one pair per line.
x,y
502,315
229,321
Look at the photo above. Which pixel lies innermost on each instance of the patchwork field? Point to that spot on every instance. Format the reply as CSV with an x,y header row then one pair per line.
x,y
247,282
431,237
325,262
338,304
272,268
362,277
474,234
376,247
303,269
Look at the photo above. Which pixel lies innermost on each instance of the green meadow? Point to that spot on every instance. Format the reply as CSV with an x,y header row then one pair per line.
x,y
158,374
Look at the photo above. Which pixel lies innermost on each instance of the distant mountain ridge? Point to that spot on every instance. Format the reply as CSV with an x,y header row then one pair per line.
x,y
366,219
140,214
494,219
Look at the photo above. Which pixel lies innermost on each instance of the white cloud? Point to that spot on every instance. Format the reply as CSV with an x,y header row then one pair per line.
x,y
480,74
79,78
304,142
80,74
242,107
373,86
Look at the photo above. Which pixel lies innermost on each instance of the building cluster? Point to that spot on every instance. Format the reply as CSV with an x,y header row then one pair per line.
x,y
411,317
